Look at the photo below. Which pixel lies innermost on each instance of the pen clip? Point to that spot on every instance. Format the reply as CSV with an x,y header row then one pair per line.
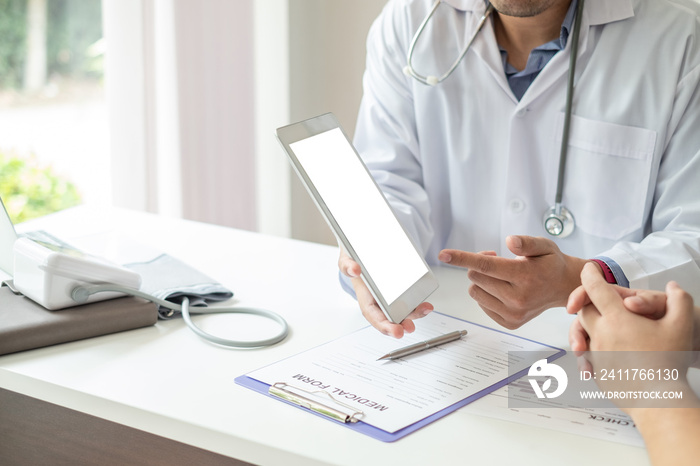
x,y
279,390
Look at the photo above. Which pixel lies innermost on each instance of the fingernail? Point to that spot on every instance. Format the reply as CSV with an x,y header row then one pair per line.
x,y
517,242
350,273
427,311
635,300
445,257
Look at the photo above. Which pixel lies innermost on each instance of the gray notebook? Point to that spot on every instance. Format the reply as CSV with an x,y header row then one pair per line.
x,y
26,325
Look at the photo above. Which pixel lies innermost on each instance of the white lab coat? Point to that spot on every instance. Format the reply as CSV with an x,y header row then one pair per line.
x,y
464,164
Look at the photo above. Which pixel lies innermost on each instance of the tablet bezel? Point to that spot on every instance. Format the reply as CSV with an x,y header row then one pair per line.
x,y
398,310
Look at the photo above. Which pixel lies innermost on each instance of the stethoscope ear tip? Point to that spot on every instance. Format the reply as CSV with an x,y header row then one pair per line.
x,y
429,80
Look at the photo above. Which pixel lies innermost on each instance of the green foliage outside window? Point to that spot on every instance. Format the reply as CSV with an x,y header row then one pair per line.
x,y
29,190
72,27
13,19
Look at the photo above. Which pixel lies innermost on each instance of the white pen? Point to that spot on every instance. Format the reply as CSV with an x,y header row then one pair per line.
x,y
424,345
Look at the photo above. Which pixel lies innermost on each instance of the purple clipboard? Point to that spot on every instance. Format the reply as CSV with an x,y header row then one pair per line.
x,y
385,436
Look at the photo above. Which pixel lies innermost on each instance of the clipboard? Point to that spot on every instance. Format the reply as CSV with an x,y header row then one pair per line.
x,y
317,407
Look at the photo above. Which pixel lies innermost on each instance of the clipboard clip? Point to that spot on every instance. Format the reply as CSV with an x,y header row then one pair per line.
x,y
279,390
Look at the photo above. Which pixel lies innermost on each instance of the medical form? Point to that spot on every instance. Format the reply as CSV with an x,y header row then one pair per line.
x,y
395,394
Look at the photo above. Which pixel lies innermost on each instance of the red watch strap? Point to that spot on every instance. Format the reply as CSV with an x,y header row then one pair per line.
x,y
607,273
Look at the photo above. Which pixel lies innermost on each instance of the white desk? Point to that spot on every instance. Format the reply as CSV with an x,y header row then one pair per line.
x,y
166,381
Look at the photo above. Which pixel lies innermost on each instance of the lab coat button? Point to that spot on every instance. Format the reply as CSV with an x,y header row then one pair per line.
x,y
516,205
521,113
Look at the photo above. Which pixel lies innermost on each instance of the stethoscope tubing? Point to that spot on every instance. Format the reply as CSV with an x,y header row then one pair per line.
x,y
573,58
409,57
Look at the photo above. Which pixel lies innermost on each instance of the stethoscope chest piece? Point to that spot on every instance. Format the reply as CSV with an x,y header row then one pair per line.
x,y
559,224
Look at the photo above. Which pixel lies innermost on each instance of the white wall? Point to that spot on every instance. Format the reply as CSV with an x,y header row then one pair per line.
x,y
196,90
126,75
180,91
272,110
325,42
214,43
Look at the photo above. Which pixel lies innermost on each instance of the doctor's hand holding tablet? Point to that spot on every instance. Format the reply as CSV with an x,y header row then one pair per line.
x,y
368,304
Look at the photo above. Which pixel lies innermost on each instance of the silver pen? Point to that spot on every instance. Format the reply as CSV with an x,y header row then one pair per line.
x,y
424,345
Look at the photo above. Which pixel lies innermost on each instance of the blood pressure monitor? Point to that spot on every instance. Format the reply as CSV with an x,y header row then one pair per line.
x,y
47,272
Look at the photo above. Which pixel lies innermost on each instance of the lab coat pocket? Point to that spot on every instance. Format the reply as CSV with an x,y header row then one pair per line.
x,y
608,171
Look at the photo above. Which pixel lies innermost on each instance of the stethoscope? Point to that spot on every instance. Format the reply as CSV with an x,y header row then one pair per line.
x,y
558,220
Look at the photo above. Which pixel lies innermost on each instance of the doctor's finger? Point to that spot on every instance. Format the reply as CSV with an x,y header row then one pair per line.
x,y
530,246
492,306
348,266
493,286
371,311
496,317
485,299
600,292
495,266
422,310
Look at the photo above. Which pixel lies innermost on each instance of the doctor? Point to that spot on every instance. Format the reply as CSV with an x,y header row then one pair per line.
x,y
472,163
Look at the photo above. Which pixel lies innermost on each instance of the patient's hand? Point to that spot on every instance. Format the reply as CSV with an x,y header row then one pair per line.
x,y
650,304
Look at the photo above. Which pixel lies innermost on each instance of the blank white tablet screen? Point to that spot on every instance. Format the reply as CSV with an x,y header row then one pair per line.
x,y
361,212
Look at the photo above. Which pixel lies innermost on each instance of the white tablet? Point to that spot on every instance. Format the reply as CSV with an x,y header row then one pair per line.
x,y
359,214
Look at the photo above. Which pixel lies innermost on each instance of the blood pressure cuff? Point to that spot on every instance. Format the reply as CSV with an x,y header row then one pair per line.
x,y
168,278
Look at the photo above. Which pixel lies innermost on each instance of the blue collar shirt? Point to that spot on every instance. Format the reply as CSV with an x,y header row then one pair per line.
x,y
519,81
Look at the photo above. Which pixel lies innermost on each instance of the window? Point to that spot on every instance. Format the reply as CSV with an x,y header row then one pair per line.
x,y
53,113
